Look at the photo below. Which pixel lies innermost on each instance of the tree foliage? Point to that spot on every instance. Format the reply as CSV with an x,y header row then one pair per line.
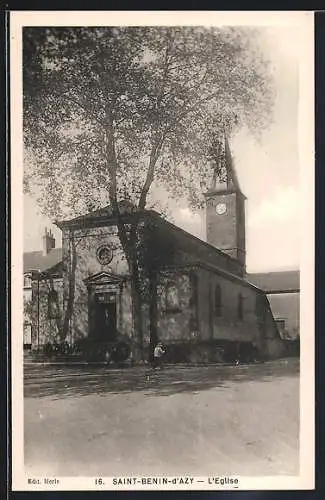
x,y
108,112
145,99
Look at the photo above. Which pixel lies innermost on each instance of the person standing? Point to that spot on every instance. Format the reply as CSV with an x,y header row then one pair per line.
x,y
158,354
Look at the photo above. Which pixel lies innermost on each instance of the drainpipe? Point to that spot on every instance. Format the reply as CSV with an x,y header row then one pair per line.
x,y
38,311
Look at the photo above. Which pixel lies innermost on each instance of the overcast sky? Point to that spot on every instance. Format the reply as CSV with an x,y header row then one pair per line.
x,y
268,173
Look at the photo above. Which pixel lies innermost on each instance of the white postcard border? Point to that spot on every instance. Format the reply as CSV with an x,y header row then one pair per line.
x,y
18,19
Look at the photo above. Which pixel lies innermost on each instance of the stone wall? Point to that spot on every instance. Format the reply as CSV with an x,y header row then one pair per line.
x,y
46,327
226,324
172,324
28,316
270,343
86,242
174,316
222,229
188,312
203,322
27,304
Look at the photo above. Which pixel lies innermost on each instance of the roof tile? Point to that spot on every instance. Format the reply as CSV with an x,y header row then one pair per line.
x,y
276,281
38,261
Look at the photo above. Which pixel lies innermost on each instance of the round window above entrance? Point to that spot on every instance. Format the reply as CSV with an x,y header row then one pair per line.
x,y
104,254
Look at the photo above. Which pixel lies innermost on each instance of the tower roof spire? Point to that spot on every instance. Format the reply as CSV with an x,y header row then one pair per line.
x,y
224,176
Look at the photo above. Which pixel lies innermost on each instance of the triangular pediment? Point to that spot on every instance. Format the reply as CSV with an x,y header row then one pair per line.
x,y
104,214
102,278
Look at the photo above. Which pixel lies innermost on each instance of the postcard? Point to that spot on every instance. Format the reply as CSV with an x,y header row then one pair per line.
x,y
162,173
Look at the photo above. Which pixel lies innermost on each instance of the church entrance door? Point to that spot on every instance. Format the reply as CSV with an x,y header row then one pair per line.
x,y
104,306
105,316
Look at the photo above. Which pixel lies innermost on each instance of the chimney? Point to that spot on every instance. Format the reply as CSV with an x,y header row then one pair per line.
x,y
48,242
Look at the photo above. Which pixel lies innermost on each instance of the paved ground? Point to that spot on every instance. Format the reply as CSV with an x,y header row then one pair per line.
x,y
94,421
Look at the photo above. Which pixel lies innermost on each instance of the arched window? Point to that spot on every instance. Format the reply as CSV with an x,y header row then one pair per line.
x,y
194,302
217,301
194,286
53,311
172,298
240,308
27,281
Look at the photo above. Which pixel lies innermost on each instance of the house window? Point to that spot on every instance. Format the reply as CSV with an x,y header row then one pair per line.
x,y
27,281
217,301
172,298
240,307
53,311
27,336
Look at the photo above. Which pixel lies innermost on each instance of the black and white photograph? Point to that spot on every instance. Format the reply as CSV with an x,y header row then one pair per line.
x,y
162,250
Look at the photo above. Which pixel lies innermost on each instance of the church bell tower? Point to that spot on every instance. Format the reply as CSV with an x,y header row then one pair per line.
x,y
225,205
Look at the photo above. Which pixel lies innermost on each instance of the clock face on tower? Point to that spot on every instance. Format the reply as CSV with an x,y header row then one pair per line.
x,y
221,208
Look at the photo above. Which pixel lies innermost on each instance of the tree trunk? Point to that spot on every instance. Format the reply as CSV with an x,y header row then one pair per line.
x,y
59,316
71,287
153,312
137,319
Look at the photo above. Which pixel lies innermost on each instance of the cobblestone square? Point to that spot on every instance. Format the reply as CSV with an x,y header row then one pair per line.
x,y
97,421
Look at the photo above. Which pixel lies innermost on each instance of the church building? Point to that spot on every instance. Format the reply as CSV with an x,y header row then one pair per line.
x,y
206,310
